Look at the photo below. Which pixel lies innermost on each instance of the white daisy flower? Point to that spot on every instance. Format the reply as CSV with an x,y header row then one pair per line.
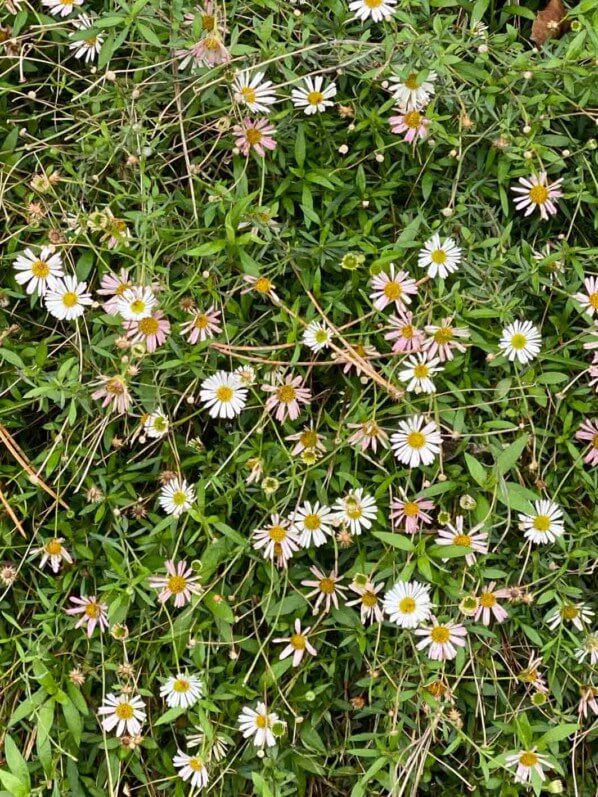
x,y
313,97
413,93
355,510
545,525
247,375
89,47
317,336
136,303
527,762
156,425
123,712
370,609
254,92
378,10
257,723
191,768
441,259
577,614
298,644
314,523
326,587
475,541
408,604
419,371
223,394
520,341
54,552
66,298
36,271
441,639
61,8
417,442
278,540
216,745
181,690
176,497
589,647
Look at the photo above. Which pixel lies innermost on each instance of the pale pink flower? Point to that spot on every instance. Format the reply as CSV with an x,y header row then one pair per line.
x,y
588,700
368,434
277,541
114,285
537,192
326,587
152,330
489,606
588,432
365,351
531,674
414,513
256,135
261,285
406,337
208,51
179,583
287,397
589,299
54,552
92,613
308,439
370,606
444,339
442,639
474,540
393,287
413,123
113,390
203,325
298,644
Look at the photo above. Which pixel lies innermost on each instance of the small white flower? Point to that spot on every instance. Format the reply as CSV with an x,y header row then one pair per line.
x,y
317,336
440,259
89,47
441,639
527,762
257,723
254,92
223,394
413,93
123,712
355,510
36,271
191,768
545,525
577,614
54,552
313,522
313,97
408,604
378,10
417,442
278,540
520,341
216,745
370,608
419,371
176,497
136,303
156,425
589,647
61,8
66,298
182,690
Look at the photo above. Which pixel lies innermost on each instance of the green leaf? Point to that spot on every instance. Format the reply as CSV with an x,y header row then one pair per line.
x,y
170,716
219,607
394,540
510,456
16,762
516,497
16,788
476,470
559,733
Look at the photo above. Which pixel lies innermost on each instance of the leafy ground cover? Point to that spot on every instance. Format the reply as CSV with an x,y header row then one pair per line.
x,y
298,409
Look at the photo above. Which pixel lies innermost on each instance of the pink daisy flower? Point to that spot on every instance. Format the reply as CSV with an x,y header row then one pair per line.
x,y
209,51
261,285
113,390
298,644
413,123
256,135
589,299
389,288
114,285
203,325
367,434
588,432
414,513
489,606
326,587
442,639
92,613
287,397
476,542
537,193
407,338
179,583
152,330
588,700
444,339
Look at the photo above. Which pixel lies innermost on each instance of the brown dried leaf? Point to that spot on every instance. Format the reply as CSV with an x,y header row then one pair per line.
x,y
549,23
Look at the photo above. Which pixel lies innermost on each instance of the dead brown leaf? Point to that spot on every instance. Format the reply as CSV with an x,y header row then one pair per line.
x,y
549,22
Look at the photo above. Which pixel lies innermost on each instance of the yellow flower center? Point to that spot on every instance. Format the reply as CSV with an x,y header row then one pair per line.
x,y
393,291
464,540
407,605
373,3
277,548
124,711
407,332
438,256
286,394
315,97
277,533
312,522
211,43
53,548
440,634
40,269
595,441
137,306
443,335
92,41
416,440
371,429
92,610
224,393
208,22
538,194
421,371
541,523
369,599
179,498
253,136
321,336
181,685
411,82
487,600
195,764
569,612
176,584
297,641
593,299
518,341
201,321
410,509
149,326
248,94
115,386
528,759
70,299
353,509
308,439
412,119
124,286
263,285
327,586
261,721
